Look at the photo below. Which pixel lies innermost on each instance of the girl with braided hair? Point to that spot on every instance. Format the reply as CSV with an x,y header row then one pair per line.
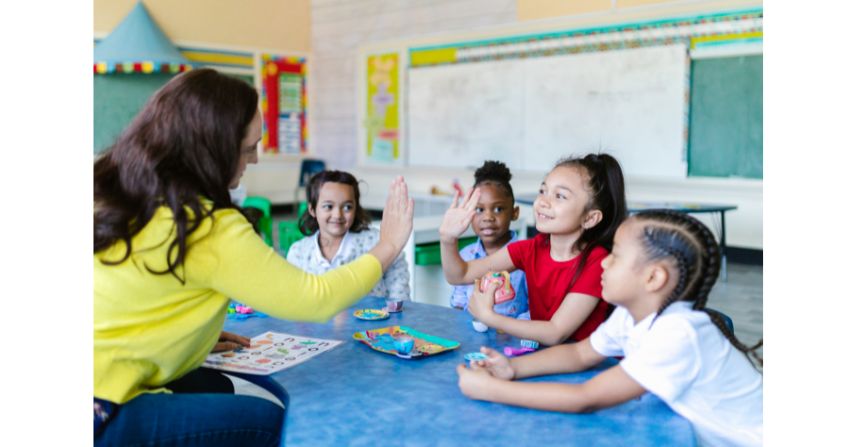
x,y
580,204
659,274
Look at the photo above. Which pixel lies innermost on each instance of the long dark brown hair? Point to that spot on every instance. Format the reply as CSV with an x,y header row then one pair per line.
x,y
309,225
183,147
606,187
671,234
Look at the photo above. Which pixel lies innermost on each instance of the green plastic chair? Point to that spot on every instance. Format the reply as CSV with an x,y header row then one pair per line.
x,y
289,233
265,223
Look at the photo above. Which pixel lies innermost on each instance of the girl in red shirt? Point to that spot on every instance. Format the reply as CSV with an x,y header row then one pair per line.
x,y
580,205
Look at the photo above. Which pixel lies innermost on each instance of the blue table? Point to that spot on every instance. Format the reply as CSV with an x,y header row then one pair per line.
x,y
353,395
682,207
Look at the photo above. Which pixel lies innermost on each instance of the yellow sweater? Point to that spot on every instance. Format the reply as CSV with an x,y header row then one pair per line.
x,y
151,329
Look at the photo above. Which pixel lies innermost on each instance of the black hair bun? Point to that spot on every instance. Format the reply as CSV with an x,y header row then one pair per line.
x,y
493,170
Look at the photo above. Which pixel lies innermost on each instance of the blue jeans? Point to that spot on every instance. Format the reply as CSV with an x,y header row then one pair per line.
x,y
194,419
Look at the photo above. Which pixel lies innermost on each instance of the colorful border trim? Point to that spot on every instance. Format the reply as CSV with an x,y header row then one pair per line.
x,y
719,28
139,67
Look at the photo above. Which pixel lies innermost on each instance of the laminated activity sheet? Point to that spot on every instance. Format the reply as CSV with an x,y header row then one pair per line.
x,y
269,353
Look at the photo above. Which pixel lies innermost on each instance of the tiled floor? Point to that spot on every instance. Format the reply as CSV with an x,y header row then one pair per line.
x,y
740,297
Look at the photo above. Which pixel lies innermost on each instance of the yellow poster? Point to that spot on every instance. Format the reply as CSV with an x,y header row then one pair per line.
x,y
382,113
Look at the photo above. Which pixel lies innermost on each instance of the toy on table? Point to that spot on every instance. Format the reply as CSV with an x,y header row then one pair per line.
x,y
514,352
237,311
503,293
474,356
394,305
404,346
530,344
389,340
527,346
371,314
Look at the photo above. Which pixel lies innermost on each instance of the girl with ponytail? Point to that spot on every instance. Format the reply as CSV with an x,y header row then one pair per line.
x,y
580,204
659,274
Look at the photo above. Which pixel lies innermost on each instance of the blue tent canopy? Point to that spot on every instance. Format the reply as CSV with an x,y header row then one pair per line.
x,y
138,45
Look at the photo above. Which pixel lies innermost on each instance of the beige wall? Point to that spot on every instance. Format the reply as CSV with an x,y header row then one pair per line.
x,y
548,9
252,24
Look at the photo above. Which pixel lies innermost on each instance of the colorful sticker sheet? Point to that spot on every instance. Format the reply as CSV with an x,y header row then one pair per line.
x,y
269,353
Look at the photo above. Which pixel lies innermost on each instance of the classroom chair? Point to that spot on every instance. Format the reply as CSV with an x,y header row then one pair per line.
x,y
288,233
265,223
309,167
271,386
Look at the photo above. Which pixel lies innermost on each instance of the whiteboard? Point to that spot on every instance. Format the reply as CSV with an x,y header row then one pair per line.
x,y
457,117
528,113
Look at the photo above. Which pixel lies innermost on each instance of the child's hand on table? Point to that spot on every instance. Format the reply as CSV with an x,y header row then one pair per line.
x,y
497,365
229,341
457,217
474,382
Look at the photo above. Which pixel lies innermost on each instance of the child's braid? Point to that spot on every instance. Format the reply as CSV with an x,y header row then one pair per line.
x,y
691,244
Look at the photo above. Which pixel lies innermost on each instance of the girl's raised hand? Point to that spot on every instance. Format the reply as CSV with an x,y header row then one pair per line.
x,y
497,364
457,217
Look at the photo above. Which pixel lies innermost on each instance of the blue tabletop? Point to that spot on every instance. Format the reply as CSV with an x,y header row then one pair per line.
x,y
353,395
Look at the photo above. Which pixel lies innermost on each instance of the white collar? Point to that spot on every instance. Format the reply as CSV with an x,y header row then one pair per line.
x,y
317,247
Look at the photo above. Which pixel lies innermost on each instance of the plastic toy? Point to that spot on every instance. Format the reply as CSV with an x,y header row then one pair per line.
x,y
514,352
404,346
394,305
474,356
479,326
504,292
530,344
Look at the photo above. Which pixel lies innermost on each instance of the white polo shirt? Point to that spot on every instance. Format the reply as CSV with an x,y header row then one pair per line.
x,y
685,360
306,255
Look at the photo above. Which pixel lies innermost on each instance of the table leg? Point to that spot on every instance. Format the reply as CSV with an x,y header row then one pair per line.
x,y
723,274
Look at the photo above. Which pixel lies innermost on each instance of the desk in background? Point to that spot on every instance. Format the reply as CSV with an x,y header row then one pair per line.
x,y
682,207
353,395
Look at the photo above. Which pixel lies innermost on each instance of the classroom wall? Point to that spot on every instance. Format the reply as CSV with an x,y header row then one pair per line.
x,y
262,24
550,9
339,28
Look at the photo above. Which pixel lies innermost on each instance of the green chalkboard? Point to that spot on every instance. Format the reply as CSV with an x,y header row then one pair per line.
x,y
118,98
725,137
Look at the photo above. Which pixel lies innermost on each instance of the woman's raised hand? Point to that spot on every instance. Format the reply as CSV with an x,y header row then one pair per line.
x,y
457,217
396,223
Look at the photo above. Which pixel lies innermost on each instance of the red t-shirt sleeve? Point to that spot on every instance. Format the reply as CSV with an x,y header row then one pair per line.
x,y
519,251
589,282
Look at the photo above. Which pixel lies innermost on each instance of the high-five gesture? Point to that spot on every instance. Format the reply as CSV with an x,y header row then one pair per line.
x,y
457,217
396,223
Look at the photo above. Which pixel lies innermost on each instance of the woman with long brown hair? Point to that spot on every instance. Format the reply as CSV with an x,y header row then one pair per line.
x,y
170,247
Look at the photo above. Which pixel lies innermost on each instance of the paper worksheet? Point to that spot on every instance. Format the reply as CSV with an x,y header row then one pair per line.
x,y
269,353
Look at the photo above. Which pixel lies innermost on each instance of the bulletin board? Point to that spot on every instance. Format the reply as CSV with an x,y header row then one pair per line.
x,y
382,109
284,104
